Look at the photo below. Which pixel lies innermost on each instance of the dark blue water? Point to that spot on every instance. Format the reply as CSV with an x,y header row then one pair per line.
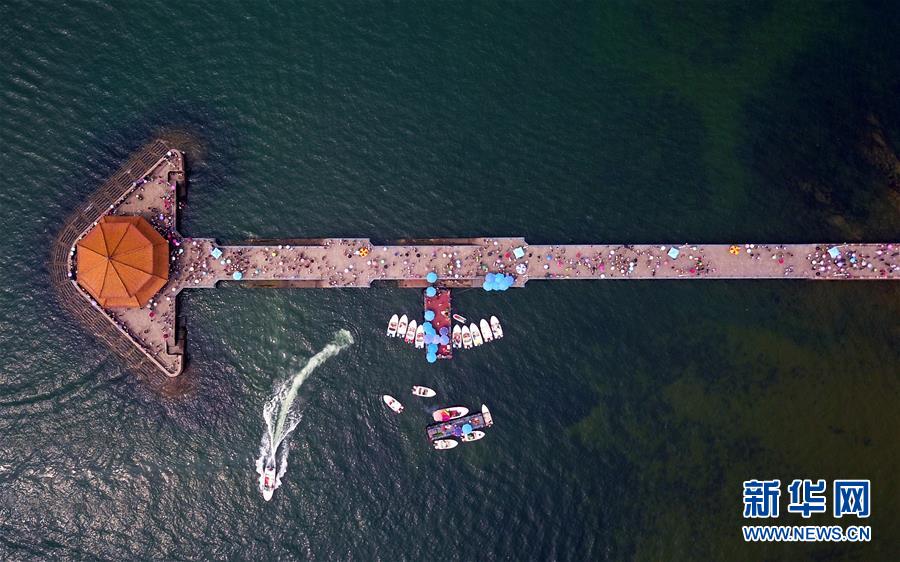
x,y
628,414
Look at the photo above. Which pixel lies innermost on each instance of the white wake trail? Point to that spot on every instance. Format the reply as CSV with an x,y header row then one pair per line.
x,y
281,418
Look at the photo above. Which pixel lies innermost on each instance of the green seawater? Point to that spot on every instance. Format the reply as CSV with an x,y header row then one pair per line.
x,y
628,414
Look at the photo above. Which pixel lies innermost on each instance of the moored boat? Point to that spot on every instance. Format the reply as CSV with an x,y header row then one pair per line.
x,y
420,337
466,337
401,327
457,337
392,326
392,403
476,334
474,436
444,444
411,331
460,319
423,391
488,419
486,331
447,414
496,328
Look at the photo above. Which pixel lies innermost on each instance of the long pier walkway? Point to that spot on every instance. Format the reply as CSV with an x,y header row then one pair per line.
x,y
356,262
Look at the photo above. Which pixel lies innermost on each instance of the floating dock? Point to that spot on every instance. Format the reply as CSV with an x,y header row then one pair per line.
x,y
151,185
440,303
454,428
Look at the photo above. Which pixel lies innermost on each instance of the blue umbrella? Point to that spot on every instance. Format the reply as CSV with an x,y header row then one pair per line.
x,y
431,277
431,357
487,286
427,326
444,340
489,277
467,428
237,275
457,431
445,330
430,292
429,331
429,315
432,348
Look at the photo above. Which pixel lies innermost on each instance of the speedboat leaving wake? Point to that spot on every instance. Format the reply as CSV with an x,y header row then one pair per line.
x,y
281,417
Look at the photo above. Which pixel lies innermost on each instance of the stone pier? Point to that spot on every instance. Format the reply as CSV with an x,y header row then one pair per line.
x,y
153,190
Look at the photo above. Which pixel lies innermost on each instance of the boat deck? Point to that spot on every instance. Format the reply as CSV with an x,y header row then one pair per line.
x,y
440,304
444,430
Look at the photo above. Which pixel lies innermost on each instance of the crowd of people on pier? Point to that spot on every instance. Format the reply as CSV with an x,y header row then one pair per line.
x,y
562,262
353,262
339,263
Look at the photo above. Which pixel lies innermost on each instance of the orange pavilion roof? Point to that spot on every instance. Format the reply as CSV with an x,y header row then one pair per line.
x,y
122,262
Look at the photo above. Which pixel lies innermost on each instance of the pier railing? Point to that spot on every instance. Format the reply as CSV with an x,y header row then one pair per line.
x,y
68,294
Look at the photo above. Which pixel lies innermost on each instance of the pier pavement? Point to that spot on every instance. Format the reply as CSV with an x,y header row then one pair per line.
x,y
201,263
355,262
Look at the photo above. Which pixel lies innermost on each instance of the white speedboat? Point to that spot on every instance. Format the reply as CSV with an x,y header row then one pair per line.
x,y
466,337
486,331
496,328
268,480
444,444
411,331
401,327
460,319
392,326
423,391
488,419
476,334
420,337
474,436
392,403
451,413
457,337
